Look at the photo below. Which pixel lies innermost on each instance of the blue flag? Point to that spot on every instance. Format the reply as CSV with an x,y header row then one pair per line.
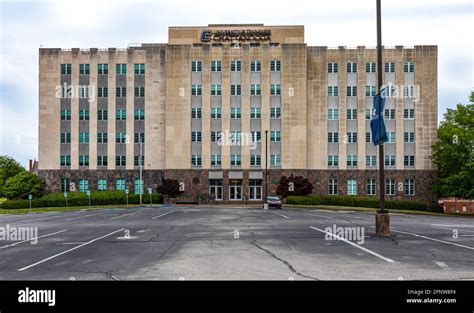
x,y
374,123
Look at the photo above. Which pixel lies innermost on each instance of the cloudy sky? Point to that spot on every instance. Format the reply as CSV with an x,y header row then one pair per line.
x,y
27,25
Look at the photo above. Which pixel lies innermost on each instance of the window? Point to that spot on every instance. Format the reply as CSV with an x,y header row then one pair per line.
x,y
196,136
389,67
256,136
333,67
102,92
65,183
139,137
66,91
120,137
83,115
139,92
102,160
196,113
333,137
84,69
351,114
65,160
136,160
352,187
368,137
333,160
409,137
215,188
409,92
370,160
352,91
275,136
138,186
66,69
409,114
216,90
121,115
255,189
235,113
65,137
370,91
275,89
120,160
139,114
101,137
196,66
139,68
216,66
275,112
101,184
121,69
369,113
65,115
409,160
216,112
120,184
275,65
235,90
255,112
333,114
84,137
215,136
83,185
351,67
409,187
235,160
102,115
235,189
235,136
255,160
370,187
84,92
255,66
121,92
351,137
196,90
352,160
235,66
390,160
391,137
389,114
83,160
370,67
390,187
216,160
408,67
333,91
332,187
255,90
103,69
275,160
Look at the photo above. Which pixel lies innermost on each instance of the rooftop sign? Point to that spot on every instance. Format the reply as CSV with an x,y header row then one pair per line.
x,y
236,35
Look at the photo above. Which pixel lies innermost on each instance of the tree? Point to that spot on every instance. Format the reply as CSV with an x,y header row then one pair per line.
x,y
23,184
294,186
170,188
453,152
9,167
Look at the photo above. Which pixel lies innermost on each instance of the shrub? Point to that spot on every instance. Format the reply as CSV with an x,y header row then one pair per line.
x,y
21,185
301,186
170,188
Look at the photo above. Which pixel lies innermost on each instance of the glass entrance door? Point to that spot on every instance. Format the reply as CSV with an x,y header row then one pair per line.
x,y
235,190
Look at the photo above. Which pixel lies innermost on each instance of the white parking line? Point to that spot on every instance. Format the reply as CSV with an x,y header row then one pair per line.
x,y
72,249
154,218
17,243
355,245
443,265
448,225
468,231
112,218
78,217
434,239
280,214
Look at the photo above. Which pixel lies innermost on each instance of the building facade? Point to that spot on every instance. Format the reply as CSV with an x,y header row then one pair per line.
x,y
203,108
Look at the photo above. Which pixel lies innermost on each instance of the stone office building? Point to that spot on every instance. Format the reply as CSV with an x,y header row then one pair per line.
x,y
202,105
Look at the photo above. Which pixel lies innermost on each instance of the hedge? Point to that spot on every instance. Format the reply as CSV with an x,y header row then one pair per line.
x,y
56,199
360,201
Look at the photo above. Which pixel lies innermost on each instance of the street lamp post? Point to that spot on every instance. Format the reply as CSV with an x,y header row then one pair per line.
x,y
266,164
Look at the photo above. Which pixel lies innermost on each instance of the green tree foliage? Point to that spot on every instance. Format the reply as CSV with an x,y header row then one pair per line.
x,y
8,168
22,184
169,188
294,186
453,153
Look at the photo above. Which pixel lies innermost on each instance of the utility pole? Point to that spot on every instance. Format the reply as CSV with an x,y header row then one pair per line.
x,y
382,218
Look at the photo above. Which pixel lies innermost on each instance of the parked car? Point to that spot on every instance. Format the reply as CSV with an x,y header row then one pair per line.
x,y
274,201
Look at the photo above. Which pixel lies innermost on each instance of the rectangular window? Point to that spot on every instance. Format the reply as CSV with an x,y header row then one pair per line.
x,y
275,160
196,90
102,92
83,160
121,115
120,137
409,160
409,187
409,137
255,90
139,68
235,90
370,91
275,89
102,115
275,136
391,137
256,136
389,114
333,160
333,67
409,67
216,90
333,137
351,67
65,160
196,66
136,160
65,115
275,112
101,137
66,69
120,184
370,187
409,114
139,92
216,160
370,160
255,66
368,137
196,113
84,69
103,69
368,114
235,66
352,91
389,67
390,160
351,137
351,114
120,160
333,188
352,187
255,112
121,92
216,112
101,184
138,188
139,114
333,114
275,65
196,136
65,184
65,137
333,91
390,187
121,69
352,160
370,67
255,160
102,160
215,136
139,137
83,185
235,160
235,113
84,137
83,115
216,66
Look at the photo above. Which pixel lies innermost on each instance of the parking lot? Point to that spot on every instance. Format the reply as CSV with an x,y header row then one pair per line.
x,y
249,243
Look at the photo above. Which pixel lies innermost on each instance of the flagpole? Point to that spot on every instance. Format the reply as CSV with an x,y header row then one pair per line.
x,y
140,187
